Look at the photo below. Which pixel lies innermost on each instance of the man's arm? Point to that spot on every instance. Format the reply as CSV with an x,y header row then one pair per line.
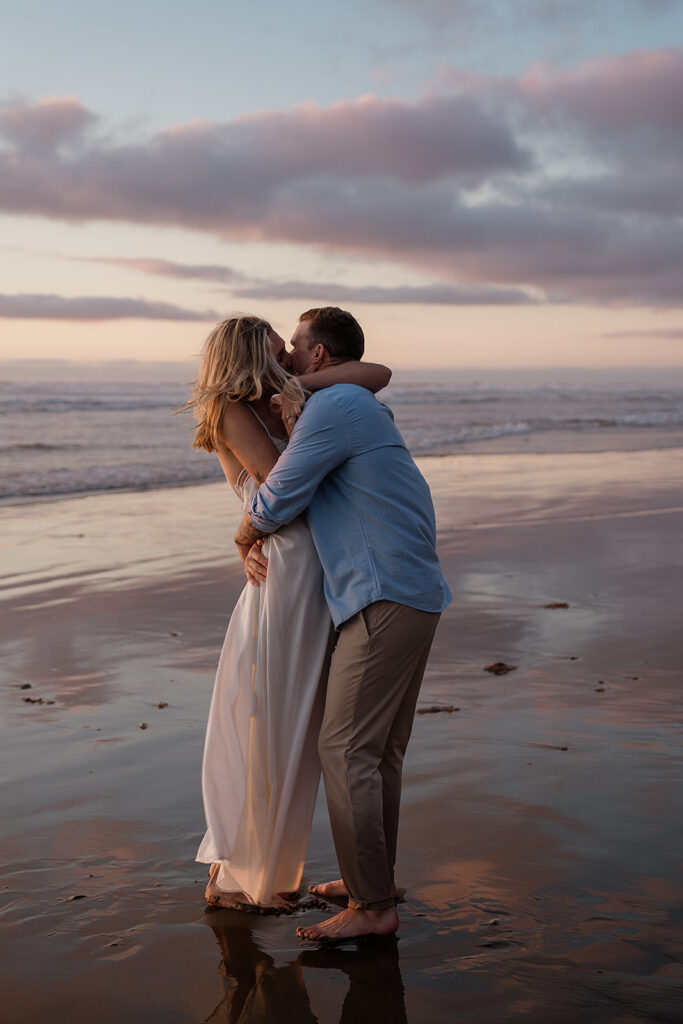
x,y
246,535
320,442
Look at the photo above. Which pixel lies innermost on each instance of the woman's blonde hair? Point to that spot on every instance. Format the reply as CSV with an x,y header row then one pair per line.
x,y
237,365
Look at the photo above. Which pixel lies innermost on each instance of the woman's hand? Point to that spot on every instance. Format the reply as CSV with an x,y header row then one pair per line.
x,y
289,404
256,564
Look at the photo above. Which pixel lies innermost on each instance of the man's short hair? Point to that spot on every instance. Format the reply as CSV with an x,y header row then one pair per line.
x,y
337,330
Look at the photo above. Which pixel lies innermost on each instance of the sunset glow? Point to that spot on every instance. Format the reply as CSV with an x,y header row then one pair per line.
x,y
489,191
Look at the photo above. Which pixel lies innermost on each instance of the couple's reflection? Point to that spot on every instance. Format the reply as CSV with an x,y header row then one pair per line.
x,y
258,991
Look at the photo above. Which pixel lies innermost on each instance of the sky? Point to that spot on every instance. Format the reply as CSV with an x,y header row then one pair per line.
x,y
483,183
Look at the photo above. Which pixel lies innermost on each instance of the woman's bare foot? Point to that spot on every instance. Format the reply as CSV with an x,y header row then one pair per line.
x,y
217,897
352,924
279,901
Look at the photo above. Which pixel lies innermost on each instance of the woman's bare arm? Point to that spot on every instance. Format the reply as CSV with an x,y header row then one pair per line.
x,y
372,376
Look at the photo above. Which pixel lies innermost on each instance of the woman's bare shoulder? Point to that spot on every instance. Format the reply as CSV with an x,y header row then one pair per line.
x,y
239,420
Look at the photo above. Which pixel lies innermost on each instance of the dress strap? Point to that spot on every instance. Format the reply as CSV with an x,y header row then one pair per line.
x,y
271,436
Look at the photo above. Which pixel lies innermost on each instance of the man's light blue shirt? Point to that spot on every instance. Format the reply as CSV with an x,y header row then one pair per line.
x,y
369,508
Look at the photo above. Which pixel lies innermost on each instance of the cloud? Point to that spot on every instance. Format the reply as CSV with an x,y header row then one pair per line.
x,y
46,124
229,176
660,333
167,268
56,307
624,102
491,16
557,183
246,287
408,142
437,294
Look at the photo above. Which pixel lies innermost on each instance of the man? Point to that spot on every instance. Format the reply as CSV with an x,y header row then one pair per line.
x,y
372,520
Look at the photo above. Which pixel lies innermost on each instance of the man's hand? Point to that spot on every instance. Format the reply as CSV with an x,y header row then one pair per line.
x,y
244,550
246,536
256,564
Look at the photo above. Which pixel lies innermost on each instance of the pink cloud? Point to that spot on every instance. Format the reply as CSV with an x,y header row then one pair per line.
x,y
613,94
614,98
410,142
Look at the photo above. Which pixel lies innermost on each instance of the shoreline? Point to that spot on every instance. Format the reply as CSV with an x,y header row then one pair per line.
x,y
111,538
539,836
552,442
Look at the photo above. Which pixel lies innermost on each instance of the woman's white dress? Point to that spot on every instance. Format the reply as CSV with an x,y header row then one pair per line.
x,y
261,770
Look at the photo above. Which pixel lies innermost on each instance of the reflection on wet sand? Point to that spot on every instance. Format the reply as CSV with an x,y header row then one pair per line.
x,y
376,991
540,833
257,990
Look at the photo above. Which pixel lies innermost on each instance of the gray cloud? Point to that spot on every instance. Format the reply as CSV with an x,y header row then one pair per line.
x,y
660,334
230,176
167,268
432,295
46,124
331,293
56,307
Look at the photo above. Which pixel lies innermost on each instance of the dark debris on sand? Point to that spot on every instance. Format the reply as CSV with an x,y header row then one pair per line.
x,y
435,709
499,668
556,604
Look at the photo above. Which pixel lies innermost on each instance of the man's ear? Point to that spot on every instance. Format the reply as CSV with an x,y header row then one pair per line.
x,y
318,354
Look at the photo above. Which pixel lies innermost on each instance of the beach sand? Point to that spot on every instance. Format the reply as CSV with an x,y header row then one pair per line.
x,y
540,843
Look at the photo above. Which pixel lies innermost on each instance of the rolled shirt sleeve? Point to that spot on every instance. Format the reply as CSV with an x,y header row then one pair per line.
x,y
320,441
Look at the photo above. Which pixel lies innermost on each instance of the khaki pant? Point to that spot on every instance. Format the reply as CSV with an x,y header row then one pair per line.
x,y
375,676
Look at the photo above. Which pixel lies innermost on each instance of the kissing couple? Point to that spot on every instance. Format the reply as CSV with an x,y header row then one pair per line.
x,y
327,645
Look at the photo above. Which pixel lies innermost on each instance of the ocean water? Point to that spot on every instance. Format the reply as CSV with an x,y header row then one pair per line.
x,y
69,438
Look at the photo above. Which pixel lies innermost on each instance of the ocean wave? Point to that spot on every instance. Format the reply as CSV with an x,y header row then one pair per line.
x,y
447,394
33,407
39,446
122,479
103,438
439,436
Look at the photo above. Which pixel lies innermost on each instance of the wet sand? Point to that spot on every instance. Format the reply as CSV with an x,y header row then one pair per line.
x,y
541,830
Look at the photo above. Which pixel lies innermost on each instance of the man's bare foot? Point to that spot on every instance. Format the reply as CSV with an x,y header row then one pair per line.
x,y
330,890
336,890
352,924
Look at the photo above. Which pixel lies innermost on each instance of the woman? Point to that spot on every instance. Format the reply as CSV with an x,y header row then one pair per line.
x,y
260,772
